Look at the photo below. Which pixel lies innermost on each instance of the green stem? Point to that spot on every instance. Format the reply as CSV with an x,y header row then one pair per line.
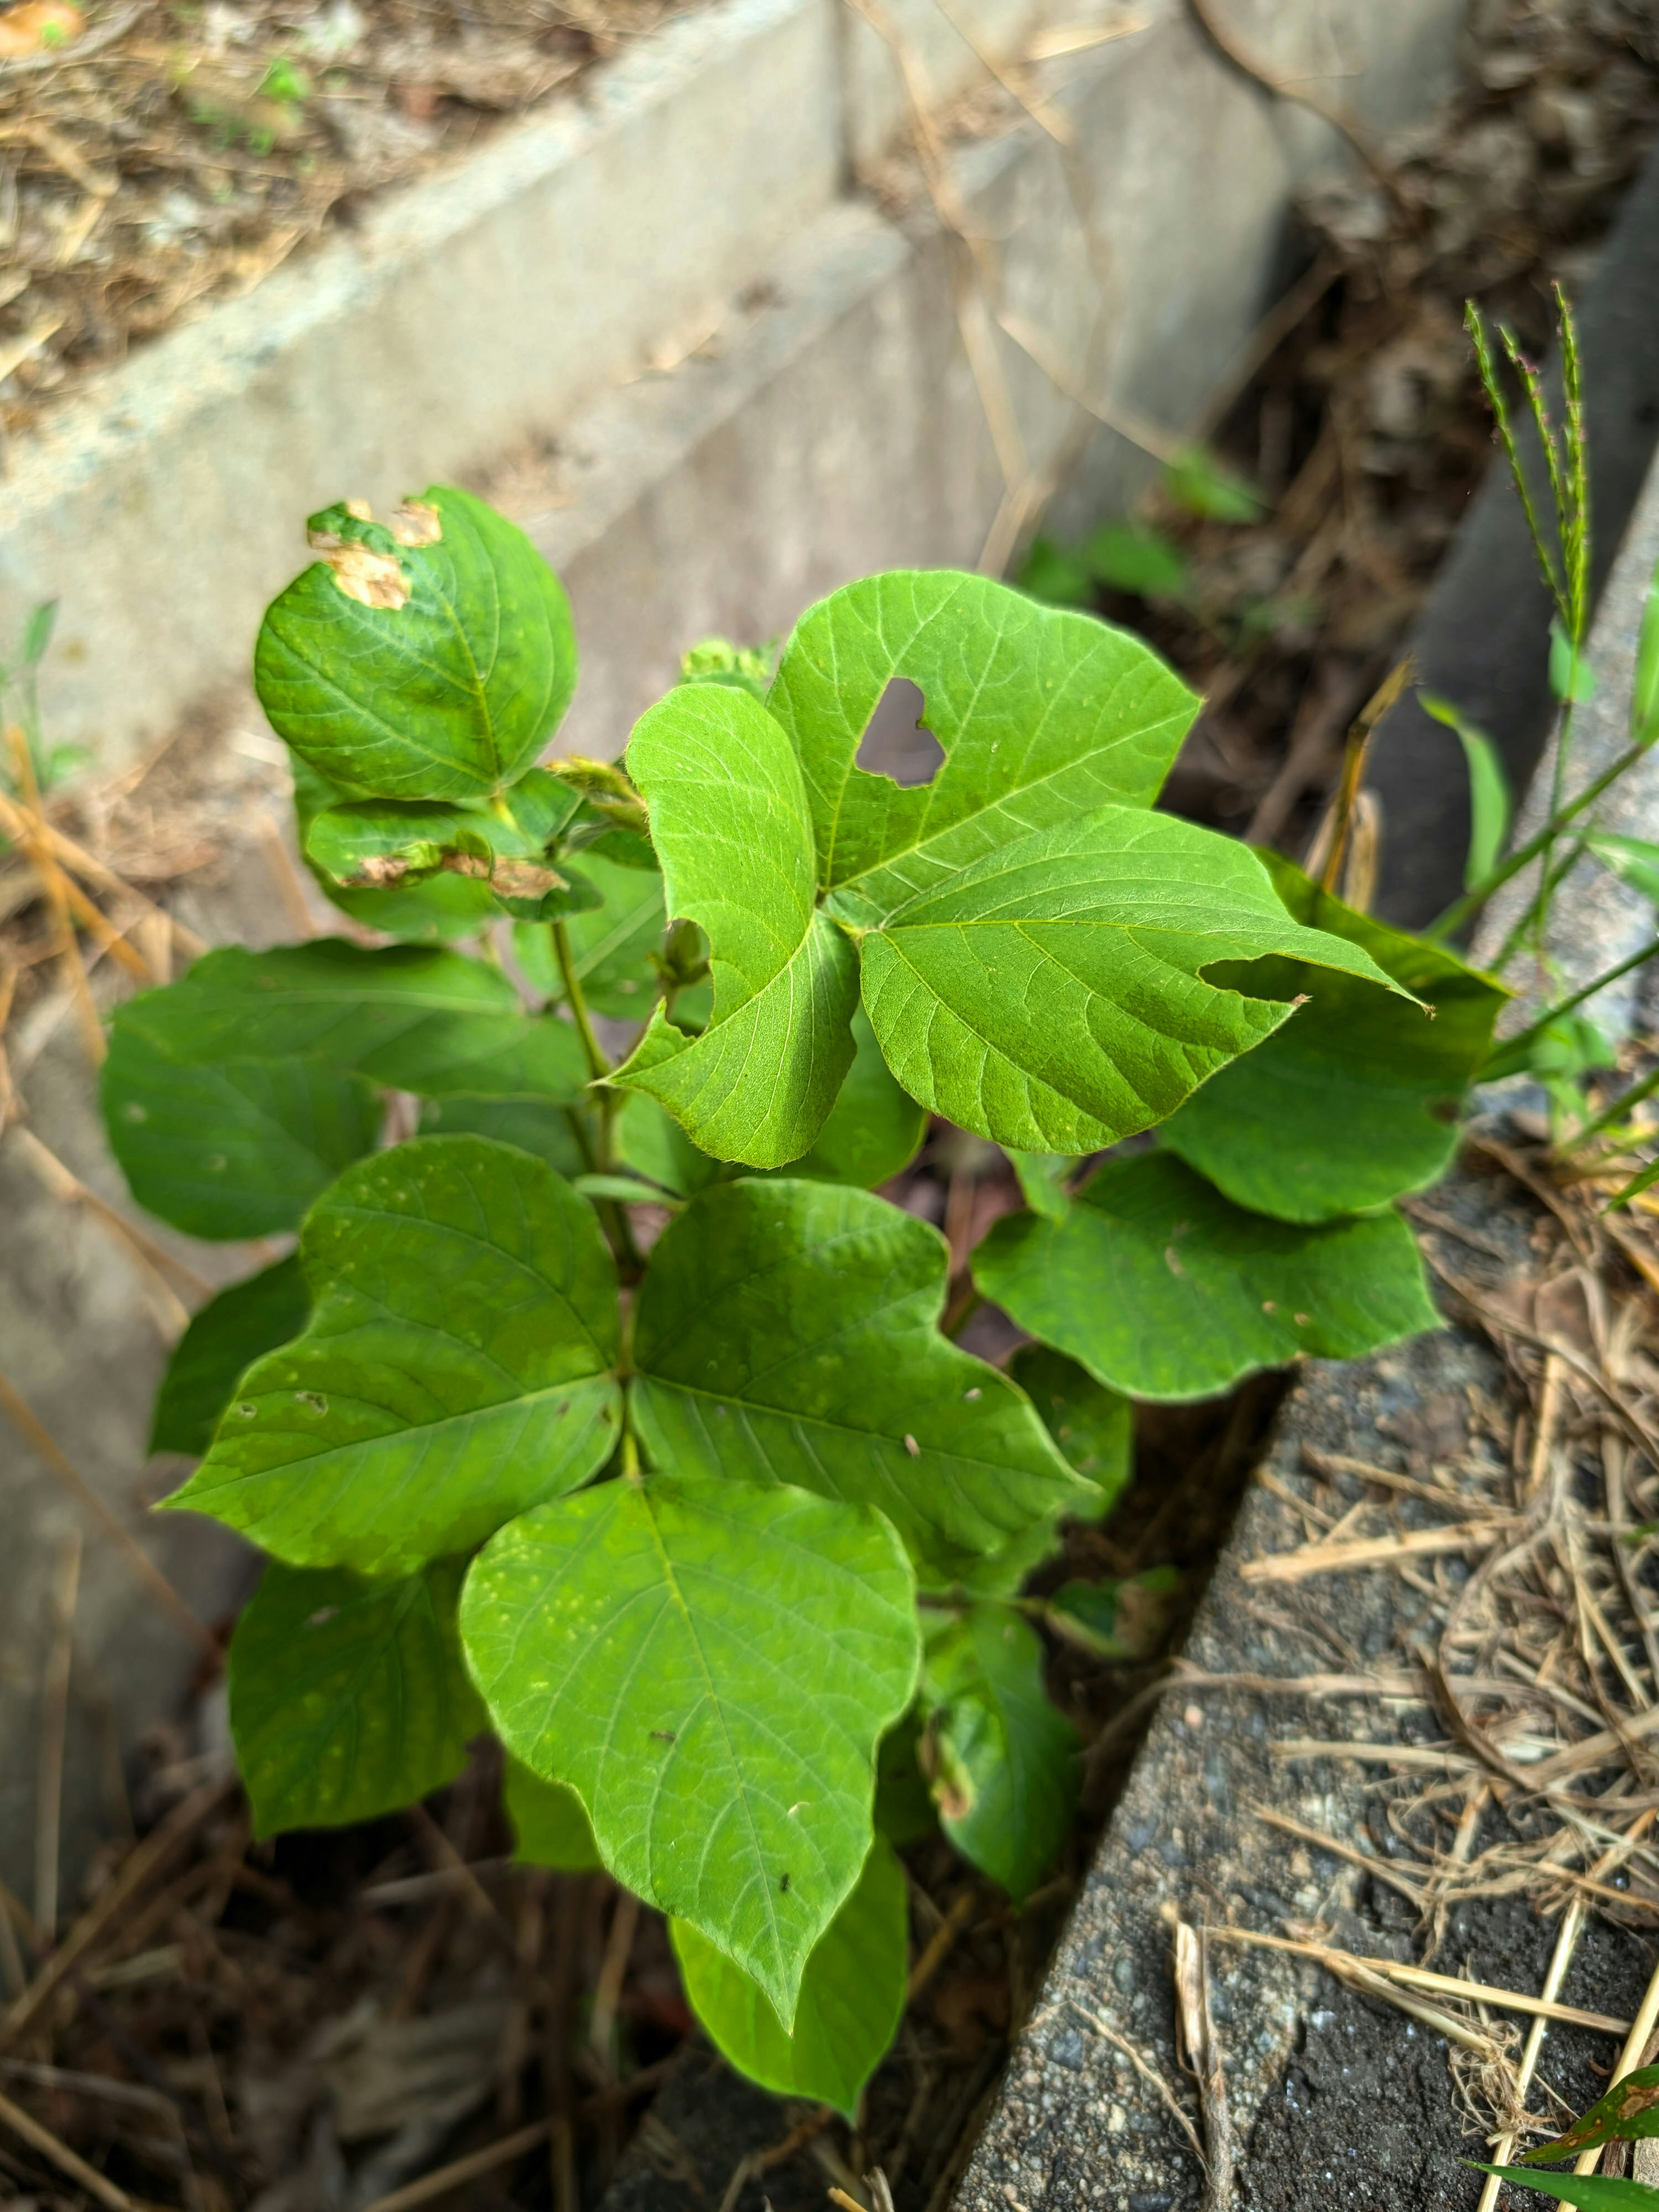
x,y
598,1065
1619,1108
584,1141
1515,1048
1558,789
1547,889
1472,901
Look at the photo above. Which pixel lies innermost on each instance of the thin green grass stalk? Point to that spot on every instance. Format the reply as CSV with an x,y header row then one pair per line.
x,y
1619,1108
1517,1044
1570,487
1546,891
1578,544
1475,325
1532,383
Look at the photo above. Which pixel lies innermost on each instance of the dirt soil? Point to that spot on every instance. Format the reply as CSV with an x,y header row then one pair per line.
x,y
156,154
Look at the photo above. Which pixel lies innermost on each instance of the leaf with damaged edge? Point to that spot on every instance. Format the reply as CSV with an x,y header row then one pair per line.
x,y
729,820
1005,1766
349,1698
410,1017
1355,1100
1042,715
1164,1289
550,1826
787,1332
226,1147
851,1996
1628,2113
1052,996
456,1369
710,1668
223,1339
448,695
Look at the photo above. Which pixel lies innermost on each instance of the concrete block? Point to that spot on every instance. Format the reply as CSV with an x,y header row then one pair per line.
x,y
475,310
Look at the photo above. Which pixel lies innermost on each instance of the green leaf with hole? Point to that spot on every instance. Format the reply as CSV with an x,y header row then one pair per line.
x,y
550,1826
787,1334
851,1996
1004,1765
413,1018
710,1668
1590,2192
1163,1288
1489,801
431,659
456,1369
729,819
1041,715
611,944
1356,1099
1058,995
349,1698
1094,1428
224,1339
228,1147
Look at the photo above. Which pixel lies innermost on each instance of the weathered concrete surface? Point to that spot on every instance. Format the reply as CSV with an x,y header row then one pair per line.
x,y
1484,637
482,311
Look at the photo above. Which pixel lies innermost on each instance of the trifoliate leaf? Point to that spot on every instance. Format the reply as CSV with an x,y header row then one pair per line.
x,y
1042,716
1093,1427
1004,1764
1163,1288
1058,995
851,1996
730,822
347,1698
224,1339
787,1332
1355,1100
456,1368
430,658
628,1642
231,1146
426,1021
550,1827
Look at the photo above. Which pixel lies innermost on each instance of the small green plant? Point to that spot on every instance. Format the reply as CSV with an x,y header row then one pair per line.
x,y
1628,2113
20,713
722,1534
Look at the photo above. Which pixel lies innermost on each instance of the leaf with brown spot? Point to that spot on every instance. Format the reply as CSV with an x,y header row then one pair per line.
x,y
1628,2113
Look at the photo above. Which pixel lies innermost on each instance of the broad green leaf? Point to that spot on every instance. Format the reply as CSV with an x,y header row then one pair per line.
x,y
851,1996
347,1698
1053,996
787,1333
1164,1289
611,944
550,1826
1196,480
873,1130
1590,2192
1628,2113
377,842
1125,1619
1355,1098
544,1131
1042,716
1489,802
729,820
717,660
1632,859
1043,1180
710,1668
1645,685
411,1018
654,1144
1004,1764
224,1339
456,1369
370,843
226,1148
1127,556
433,669
1093,1427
